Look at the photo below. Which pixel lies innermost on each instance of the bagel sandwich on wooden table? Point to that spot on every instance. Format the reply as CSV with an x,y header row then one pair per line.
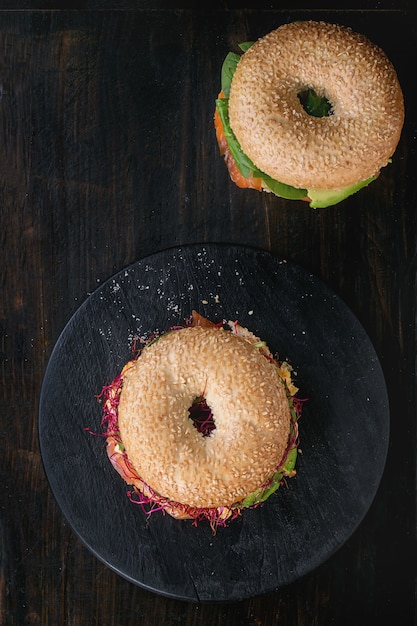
x,y
311,111
203,422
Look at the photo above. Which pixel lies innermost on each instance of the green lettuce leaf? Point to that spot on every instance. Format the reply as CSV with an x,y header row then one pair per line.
x,y
244,163
315,105
229,67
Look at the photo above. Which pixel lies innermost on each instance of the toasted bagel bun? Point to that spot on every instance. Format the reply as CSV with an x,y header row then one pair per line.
x,y
344,148
250,409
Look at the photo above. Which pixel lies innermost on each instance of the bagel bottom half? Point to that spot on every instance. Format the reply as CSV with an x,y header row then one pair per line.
x,y
203,422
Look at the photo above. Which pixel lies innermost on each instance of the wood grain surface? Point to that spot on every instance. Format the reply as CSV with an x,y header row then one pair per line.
x,y
108,154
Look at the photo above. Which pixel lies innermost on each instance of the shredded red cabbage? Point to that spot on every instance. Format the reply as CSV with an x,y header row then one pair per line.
x,y
202,416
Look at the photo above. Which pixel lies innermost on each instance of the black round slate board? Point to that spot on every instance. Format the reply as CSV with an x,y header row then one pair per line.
x,y
344,428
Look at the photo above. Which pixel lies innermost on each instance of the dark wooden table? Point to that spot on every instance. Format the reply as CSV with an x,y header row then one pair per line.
x,y
108,154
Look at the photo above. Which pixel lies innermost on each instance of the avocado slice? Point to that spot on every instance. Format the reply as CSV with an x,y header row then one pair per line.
x,y
322,198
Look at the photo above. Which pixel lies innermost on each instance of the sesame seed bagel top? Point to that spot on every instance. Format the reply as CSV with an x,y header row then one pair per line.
x,y
249,405
288,144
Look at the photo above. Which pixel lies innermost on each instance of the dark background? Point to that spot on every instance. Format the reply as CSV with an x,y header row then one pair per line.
x,y
108,154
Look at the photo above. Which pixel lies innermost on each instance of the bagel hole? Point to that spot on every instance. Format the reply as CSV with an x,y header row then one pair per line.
x,y
313,104
201,416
